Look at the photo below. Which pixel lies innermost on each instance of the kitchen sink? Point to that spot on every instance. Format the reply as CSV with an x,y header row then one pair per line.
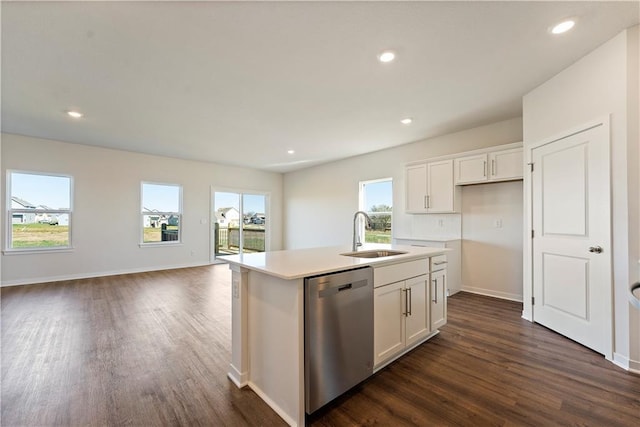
x,y
373,254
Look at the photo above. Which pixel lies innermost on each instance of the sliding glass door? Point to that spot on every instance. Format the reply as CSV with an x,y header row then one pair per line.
x,y
240,223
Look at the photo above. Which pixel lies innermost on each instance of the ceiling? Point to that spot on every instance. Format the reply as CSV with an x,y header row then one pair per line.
x,y
243,82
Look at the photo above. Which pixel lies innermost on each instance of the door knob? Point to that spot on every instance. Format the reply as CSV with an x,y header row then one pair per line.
x,y
595,249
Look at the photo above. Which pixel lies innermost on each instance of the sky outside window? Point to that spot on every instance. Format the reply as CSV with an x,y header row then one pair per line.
x,y
161,197
51,191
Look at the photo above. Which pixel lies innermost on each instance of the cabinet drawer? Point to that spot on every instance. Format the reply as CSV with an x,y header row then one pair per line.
x,y
438,262
397,272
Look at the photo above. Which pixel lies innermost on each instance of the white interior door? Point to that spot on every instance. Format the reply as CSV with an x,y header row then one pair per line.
x,y
572,282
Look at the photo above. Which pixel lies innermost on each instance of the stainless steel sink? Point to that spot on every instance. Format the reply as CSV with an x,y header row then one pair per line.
x,y
373,254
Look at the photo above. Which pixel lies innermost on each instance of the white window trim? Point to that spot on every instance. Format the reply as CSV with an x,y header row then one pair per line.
x,y
8,249
178,242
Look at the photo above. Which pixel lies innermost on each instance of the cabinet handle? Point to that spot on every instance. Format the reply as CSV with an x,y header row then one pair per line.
x,y
435,288
410,298
406,305
493,167
484,168
425,201
428,201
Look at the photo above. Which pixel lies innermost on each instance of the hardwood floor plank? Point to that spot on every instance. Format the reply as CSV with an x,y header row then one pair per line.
x,y
153,349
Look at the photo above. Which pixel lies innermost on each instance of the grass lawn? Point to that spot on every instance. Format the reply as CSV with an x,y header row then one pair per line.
x,y
377,236
39,236
153,234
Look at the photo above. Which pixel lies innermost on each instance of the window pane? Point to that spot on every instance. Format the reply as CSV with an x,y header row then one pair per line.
x,y
31,191
161,228
254,220
160,198
29,234
377,198
227,212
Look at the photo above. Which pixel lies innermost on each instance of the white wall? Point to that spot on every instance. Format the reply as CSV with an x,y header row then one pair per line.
x,y
603,82
320,201
106,208
492,230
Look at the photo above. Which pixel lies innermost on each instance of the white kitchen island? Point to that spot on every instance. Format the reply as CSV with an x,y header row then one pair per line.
x,y
268,315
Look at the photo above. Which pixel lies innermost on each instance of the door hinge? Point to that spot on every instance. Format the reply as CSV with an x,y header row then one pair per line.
x,y
530,167
533,300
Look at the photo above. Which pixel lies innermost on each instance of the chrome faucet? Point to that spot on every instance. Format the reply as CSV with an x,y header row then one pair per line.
x,y
356,237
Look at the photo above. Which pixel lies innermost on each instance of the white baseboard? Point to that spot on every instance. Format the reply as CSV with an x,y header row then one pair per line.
x,y
492,293
286,417
625,363
48,279
238,378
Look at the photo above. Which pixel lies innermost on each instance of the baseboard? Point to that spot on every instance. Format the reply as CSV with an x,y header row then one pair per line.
x,y
238,378
278,410
37,280
492,293
625,363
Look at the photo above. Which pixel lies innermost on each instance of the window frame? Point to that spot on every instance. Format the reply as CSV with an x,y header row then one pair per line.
x,y
167,214
8,246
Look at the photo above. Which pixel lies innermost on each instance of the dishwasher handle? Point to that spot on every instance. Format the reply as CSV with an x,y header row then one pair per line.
x,y
341,287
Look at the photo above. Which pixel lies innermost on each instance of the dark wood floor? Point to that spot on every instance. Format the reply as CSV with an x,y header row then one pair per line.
x,y
153,349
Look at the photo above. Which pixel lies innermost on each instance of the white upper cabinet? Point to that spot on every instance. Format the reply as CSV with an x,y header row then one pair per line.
x,y
430,188
505,164
416,180
501,165
471,169
440,188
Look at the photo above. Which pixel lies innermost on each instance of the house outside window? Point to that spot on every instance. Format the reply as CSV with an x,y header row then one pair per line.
x,y
161,213
39,211
376,199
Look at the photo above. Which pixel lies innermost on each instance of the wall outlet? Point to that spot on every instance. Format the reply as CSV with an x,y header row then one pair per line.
x,y
193,253
440,223
498,223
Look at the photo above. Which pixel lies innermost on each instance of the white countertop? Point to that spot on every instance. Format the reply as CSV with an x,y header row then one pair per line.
x,y
299,263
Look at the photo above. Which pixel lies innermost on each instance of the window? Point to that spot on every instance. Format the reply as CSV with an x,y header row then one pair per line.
x,y
161,213
39,207
376,199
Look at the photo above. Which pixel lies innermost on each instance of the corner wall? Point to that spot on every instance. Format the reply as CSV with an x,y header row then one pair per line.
x,y
106,208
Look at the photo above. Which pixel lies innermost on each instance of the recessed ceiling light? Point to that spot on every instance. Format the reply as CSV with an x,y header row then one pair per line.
x,y
387,56
406,121
75,114
563,27
290,151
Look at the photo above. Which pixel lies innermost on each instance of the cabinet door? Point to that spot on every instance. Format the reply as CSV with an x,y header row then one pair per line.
x,y
506,164
388,321
440,191
471,169
416,188
417,317
438,299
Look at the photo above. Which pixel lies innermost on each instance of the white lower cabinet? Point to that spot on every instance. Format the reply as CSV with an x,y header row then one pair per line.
x,y
401,316
438,297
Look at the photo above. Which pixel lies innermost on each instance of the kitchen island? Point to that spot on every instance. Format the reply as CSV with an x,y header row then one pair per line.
x,y
267,351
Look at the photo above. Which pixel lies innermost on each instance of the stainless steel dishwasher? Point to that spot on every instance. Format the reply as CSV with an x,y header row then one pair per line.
x,y
338,344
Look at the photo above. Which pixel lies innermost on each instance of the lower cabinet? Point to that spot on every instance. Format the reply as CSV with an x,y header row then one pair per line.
x,y
401,316
438,298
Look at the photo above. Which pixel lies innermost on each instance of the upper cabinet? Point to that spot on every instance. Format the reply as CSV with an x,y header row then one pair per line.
x,y
501,165
430,188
